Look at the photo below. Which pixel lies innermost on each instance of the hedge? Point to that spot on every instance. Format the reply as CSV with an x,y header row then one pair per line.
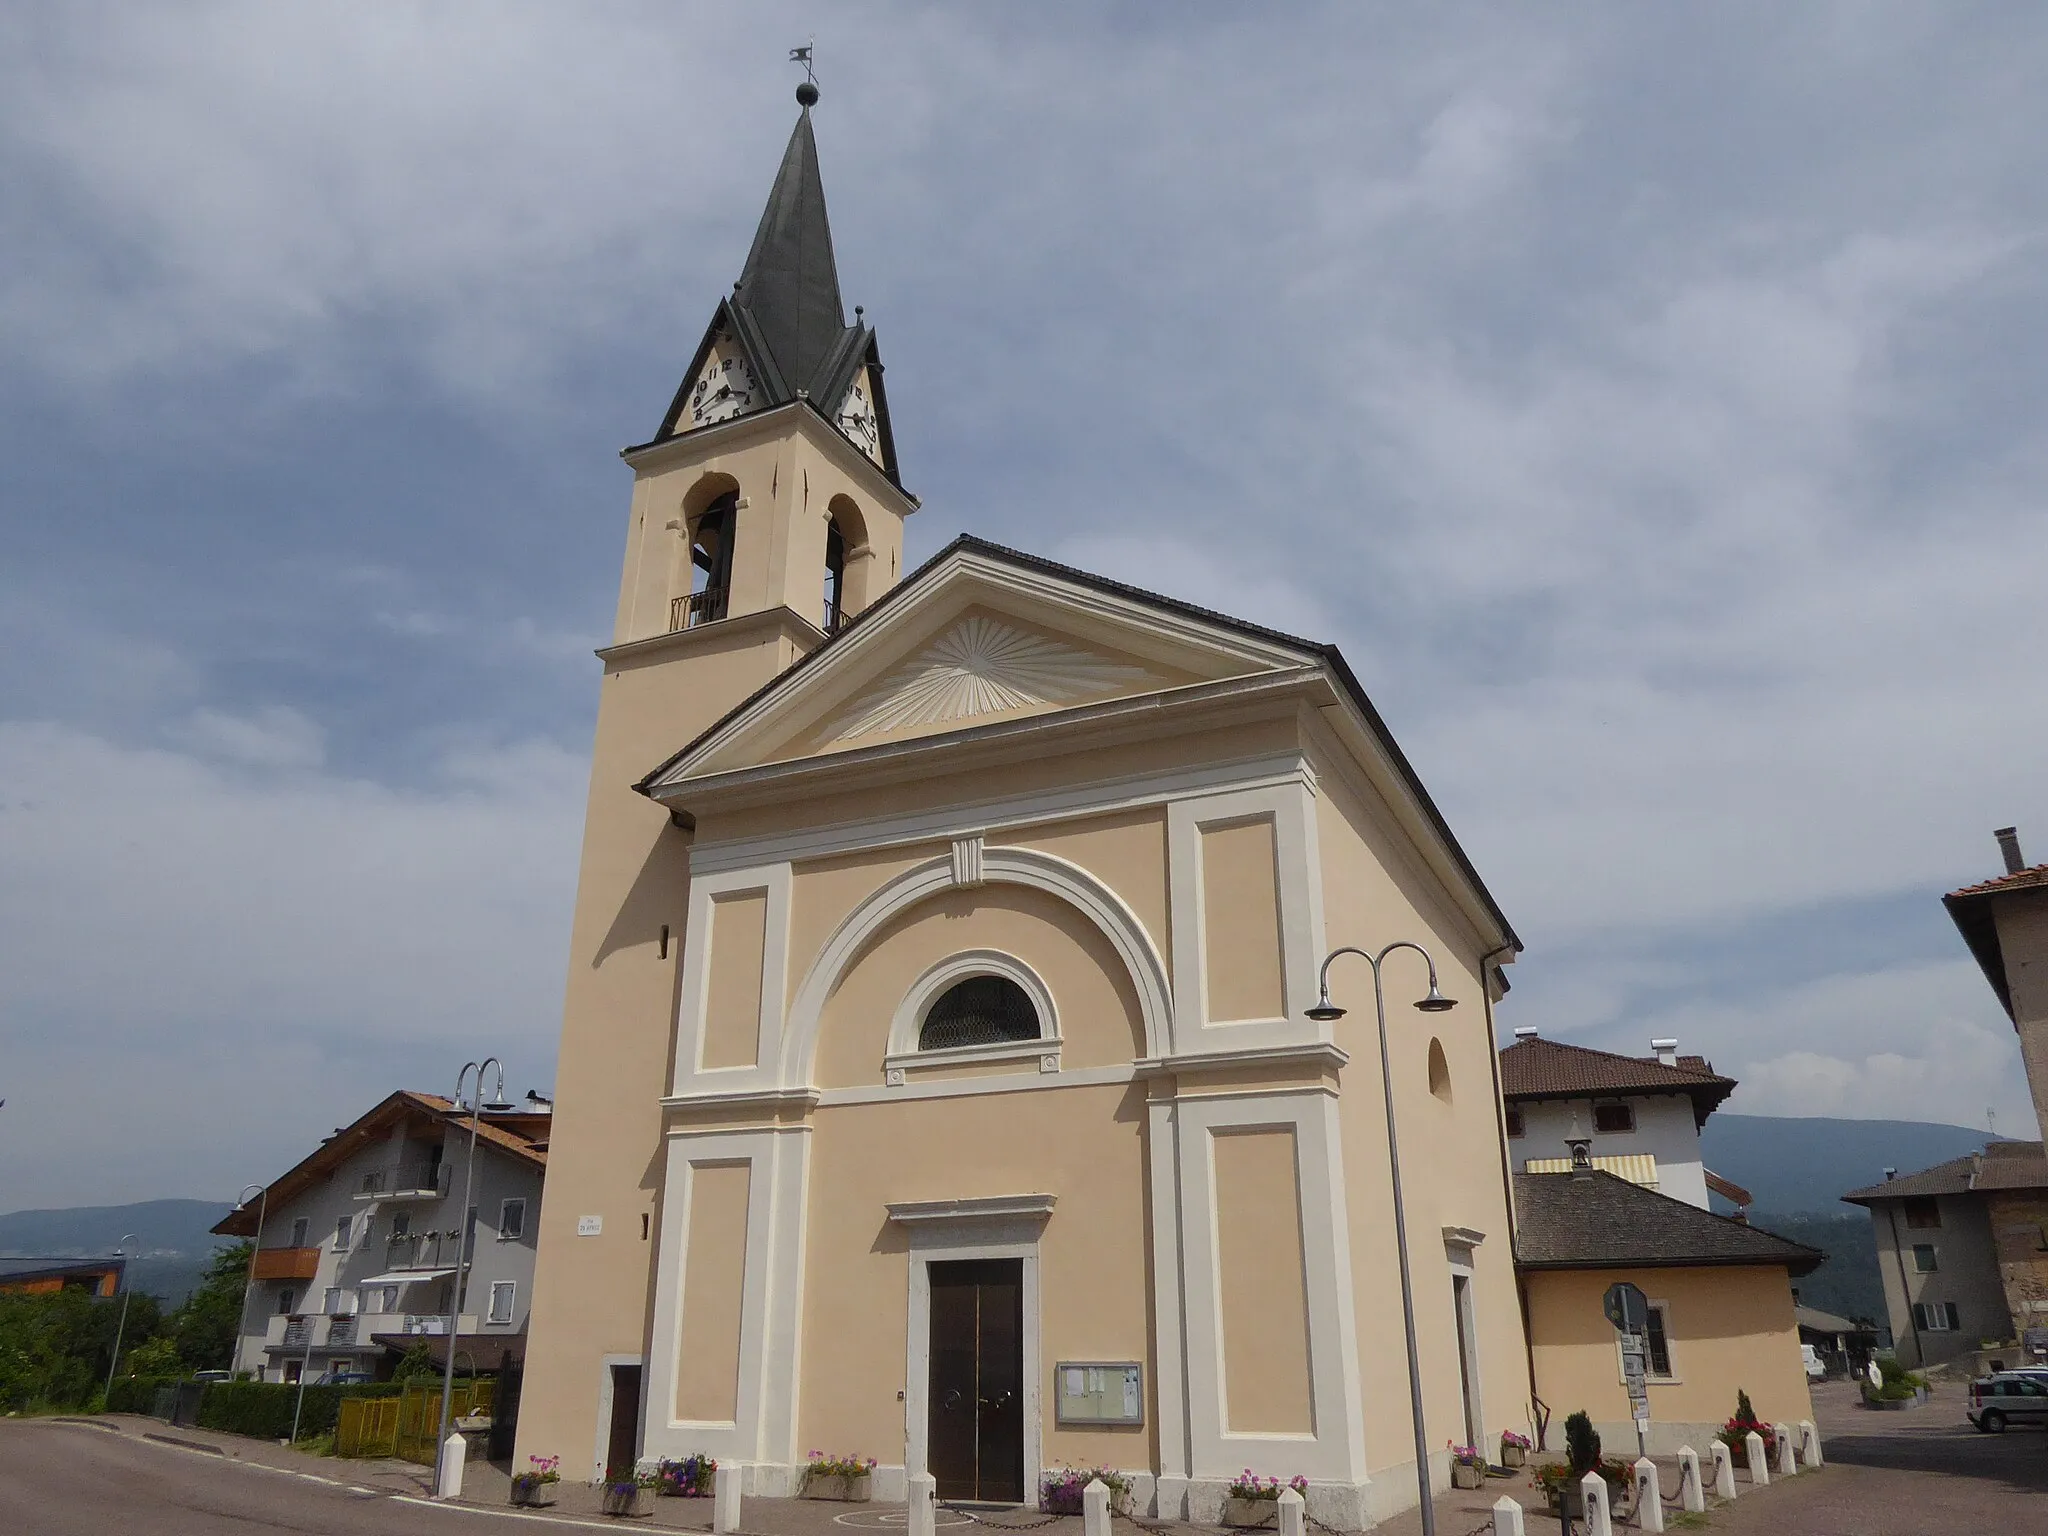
x,y
264,1409
136,1394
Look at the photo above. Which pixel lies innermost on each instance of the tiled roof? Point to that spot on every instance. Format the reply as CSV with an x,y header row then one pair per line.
x,y
1970,910
2018,881
374,1126
2001,1165
1535,1068
1598,1221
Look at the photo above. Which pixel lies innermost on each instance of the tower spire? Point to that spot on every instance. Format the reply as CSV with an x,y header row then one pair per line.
x,y
789,287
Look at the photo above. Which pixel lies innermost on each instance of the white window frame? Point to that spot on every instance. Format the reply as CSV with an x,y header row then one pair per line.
x,y
300,1227
344,1233
1933,1264
287,1298
332,1301
509,1289
1663,1309
908,1023
505,1208
1935,1317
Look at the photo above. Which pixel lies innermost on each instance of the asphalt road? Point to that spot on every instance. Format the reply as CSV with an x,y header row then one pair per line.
x,y
75,1480
1920,1473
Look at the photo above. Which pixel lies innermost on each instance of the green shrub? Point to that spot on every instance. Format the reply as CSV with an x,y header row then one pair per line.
x,y
264,1409
136,1394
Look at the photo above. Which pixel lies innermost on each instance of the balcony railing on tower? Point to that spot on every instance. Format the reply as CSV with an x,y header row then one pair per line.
x,y
706,607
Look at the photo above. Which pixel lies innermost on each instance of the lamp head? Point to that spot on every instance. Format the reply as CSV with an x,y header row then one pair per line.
x,y
1436,1002
1325,1011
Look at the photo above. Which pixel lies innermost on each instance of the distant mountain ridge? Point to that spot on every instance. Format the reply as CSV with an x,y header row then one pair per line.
x,y
171,1249
1807,1164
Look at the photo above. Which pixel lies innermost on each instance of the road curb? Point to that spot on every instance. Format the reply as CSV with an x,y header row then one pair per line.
x,y
189,1445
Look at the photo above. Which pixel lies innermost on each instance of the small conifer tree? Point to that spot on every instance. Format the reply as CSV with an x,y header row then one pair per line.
x,y
1581,1444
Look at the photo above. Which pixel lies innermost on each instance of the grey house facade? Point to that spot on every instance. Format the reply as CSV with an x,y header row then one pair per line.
x,y
356,1245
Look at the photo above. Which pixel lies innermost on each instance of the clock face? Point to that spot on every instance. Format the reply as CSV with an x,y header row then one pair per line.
x,y
723,392
857,421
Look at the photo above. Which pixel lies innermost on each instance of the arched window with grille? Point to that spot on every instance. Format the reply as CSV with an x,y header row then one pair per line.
x,y
982,1010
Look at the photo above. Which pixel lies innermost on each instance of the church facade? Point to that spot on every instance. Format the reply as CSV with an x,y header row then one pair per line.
x,y
938,1082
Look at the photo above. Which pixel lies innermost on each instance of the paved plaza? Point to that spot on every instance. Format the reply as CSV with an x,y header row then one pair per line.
x,y
1914,1473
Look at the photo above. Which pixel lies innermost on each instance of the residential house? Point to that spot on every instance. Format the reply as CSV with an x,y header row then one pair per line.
x,y
1722,1317
1641,1114
1963,1246
356,1245
942,1077
1610,1186
96,1277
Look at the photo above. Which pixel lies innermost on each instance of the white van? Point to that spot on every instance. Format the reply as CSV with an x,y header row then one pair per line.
x,y
1816,1368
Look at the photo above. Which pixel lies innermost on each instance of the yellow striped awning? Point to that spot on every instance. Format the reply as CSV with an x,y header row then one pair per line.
x,y
1636,1167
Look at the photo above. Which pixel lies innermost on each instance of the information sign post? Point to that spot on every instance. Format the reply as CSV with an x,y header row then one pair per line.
x,y
1629,1310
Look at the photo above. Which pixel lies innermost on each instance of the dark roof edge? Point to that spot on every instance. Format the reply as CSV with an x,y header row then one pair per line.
x,y
1327,653
1970,911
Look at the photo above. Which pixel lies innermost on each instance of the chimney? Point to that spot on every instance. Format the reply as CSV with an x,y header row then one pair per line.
x,y
1526,1032
1667,1051
2009,845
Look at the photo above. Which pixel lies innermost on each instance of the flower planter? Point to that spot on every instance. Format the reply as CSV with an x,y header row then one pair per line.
x,y
621,1499
846,1490
1465,1475
530,1492
1251,1514
1513,1456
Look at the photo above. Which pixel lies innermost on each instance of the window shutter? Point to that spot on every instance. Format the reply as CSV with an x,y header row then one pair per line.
x,y
1953,1321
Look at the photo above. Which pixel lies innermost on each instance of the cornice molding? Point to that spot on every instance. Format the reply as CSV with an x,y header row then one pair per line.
x,y
1083,727
1006,814
799,415
794,626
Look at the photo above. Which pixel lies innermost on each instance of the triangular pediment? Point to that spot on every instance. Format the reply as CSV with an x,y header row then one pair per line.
x,y
977,639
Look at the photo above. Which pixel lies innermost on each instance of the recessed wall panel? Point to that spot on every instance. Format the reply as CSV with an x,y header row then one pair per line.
x,y
1241,921
714,1286
1262,1286
732,1012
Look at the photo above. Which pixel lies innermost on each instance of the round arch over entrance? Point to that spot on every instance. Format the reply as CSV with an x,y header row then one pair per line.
x,y
999,866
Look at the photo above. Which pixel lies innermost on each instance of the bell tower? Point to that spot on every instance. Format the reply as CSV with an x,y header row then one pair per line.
x,y
766,513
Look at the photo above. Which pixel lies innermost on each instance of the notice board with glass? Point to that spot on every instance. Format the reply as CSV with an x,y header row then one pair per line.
x,y
1099,1392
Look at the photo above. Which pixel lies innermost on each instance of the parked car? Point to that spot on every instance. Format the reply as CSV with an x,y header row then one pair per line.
x,y
343,1379
2007,1398
1816,1368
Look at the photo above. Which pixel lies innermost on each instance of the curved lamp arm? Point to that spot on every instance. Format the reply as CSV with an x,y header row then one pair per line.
x,y
1326,1011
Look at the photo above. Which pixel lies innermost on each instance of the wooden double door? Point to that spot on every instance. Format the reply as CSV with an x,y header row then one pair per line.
x,y
975,1440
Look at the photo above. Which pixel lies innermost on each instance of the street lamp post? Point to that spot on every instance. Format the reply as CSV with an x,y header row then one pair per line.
x,y
447,1479
249,1282
120,1329
1325,1012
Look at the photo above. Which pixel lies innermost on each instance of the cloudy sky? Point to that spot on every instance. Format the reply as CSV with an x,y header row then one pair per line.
x,y
1650,401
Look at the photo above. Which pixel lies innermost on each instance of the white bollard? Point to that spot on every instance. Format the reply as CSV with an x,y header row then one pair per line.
x,y
1724,1471
1649,1495
923,1500
1095,1508
725,1501
1759,1464
1690,1493
1783,1436
1293,1513
1593,1488
448,1474
1507,1518
1809,1443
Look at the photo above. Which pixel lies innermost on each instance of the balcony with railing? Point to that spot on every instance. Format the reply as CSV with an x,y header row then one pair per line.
x,y
298,1333
407,1181
286,1263
706,607
420,1250
341,1331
